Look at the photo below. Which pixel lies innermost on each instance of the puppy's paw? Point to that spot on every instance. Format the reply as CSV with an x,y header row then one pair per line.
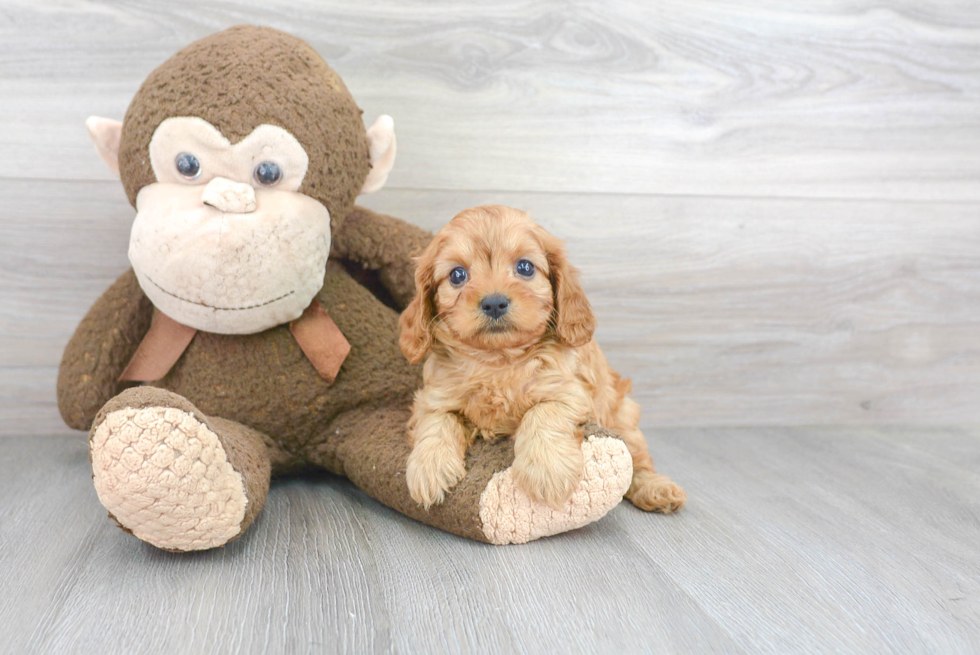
x,y
549,471
653,492
434,467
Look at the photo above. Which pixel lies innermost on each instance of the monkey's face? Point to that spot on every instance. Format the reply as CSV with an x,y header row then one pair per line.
x,y
229,237
223,241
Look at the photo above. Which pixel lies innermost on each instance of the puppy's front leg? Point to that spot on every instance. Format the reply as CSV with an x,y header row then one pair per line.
x,y
437,461
548,459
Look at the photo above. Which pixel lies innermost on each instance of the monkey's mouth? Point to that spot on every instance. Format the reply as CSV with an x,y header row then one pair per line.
x,y
215,307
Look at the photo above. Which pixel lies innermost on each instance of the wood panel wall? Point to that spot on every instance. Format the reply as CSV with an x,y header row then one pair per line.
x,y
775,206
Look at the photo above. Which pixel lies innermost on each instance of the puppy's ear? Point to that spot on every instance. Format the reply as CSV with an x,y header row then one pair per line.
x,y
416,321
573,318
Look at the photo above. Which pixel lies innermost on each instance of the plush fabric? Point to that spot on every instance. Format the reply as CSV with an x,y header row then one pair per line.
x,y
161,347
101,349
321,341
379,242
244,77
509,516
106,134
232,273
184,462
221,158
164,474
166,477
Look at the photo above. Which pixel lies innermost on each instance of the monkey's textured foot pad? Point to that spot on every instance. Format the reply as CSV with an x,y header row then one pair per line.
x,y
509,515
163,475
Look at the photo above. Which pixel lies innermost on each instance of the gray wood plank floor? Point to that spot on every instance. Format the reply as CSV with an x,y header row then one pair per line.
x,y
796,540
776,209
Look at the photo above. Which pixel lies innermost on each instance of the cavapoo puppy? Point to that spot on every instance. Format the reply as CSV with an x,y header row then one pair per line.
x,y
508,331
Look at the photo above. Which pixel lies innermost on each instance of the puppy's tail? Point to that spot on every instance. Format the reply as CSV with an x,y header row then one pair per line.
x,y
622,385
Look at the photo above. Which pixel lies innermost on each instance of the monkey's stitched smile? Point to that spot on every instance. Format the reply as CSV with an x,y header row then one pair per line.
x,y
220,309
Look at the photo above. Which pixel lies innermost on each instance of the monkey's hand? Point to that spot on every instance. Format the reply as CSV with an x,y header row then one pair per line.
x,y
385,244
100,349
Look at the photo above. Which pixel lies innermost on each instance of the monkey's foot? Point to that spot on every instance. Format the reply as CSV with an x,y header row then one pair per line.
x,y
164,476
509,516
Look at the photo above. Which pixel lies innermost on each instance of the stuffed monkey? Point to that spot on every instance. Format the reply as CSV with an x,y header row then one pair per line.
x,y
257,329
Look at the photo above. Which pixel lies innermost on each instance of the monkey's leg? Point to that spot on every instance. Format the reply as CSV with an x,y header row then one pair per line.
x,y
371,448
174,477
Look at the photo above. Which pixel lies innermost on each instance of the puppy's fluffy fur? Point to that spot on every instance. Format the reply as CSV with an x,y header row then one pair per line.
x,y
533,372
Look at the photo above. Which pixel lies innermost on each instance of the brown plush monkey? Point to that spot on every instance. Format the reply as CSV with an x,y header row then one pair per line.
x,y
243,155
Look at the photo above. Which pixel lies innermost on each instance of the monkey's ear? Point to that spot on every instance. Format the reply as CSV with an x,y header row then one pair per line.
x,y
381,137
106,134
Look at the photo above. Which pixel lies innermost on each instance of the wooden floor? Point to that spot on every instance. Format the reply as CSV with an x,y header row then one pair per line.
x,y
796,540
776,211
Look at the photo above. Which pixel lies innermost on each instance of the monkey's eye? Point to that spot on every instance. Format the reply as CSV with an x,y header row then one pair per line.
x,y
268,173
524,268
188,165
457,276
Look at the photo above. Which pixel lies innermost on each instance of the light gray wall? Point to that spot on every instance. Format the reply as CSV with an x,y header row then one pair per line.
x,y
775,206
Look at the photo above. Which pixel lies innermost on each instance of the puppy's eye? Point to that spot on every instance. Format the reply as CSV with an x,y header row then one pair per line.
x,y
525,268
457,276
188,165
268,173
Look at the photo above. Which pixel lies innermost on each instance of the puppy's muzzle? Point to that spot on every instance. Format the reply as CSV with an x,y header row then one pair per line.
x,y
495,305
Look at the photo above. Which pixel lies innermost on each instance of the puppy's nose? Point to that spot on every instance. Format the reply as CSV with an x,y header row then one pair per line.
x,y
229,196
495,305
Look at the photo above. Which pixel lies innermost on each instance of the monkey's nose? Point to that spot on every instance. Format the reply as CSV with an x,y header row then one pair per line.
x,y
495,305
229,196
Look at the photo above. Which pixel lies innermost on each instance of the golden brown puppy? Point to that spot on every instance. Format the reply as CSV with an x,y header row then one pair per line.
x,y
510,334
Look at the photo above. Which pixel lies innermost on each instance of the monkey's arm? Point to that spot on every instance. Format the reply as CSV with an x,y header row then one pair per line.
x,y
100,349
385,244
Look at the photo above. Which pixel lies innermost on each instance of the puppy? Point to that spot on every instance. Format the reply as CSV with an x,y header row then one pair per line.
x,y
508,331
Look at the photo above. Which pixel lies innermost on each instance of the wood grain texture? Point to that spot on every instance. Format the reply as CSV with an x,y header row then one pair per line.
x,y
776,209
795,541
732,311
724,311
847,98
